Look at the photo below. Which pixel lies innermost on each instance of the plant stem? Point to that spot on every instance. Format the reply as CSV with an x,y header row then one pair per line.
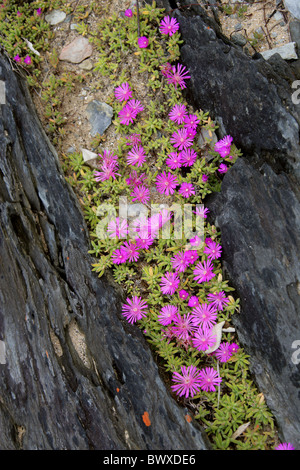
x,y
138,16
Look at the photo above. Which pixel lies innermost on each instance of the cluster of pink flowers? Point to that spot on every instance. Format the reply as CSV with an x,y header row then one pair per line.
x,y
109,166
27,60
131,108
223,147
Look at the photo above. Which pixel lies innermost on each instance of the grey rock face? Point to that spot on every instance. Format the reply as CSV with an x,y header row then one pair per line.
x,y
76,375
293,7
100,116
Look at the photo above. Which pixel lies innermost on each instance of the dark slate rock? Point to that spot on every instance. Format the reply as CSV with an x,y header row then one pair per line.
x,y
100,116
58,393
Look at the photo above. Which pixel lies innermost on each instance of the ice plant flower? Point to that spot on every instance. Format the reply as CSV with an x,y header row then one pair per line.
x,y
209,379
117,228
234,348
178,113
169,283
187,383
191,120
140,193
27,60
166,183
135,105
128,13
168,26
203,338
183,327
127,115
204,178
222,168
134,139
188,157
119,256
191,256
165,69
196,241
218,299
136,156
203,272
132,251
167,314
108,171
201,211
178,75
143,42
181,140
183,294
186,190
223,146
123,92
193,301
39,11
285,446
204,314
179,262
174,160
134,310
17,58
223,353
213,250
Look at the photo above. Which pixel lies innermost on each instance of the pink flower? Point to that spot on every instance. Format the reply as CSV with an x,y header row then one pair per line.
x,y
191,256
141,193
134,139
17,58
168,26
119,256
108,170
188,382
222,168
188,157
39,11
285,446
203,338
193,301
234,348
174,160
204,178
186,190
169,283
213,250
196,241
191,120
128,13
166,183
177,76
223,353
135,105
218,299
203,272
134,179
143,42
180,139
209,378
19,13
132,251
178,113
117,228
167,314
143,242
204,314
223,146
136,156
183,294
201,211
183,327
123,92
135,309
179,262
27,60
127,115
166,68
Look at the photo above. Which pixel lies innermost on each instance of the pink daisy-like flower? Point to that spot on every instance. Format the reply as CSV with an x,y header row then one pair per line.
x,y
166,183
132,251
183,294
193,301
203,272
191,256
108,171
168,26
136,105
178,113
213,250
223,168
134,139
191,120
223,146
188,157
127,115
134,310
128,13
204,178
117,228
174,160
143,42
167,314
17,58
186,190
27,60
203,338
196,241
209,379
123,92
119,256
204,314
184,327
134,179
165,69
179,262
218,299
140,193
201,211
234,348
178,75
39,11
190,132
180,139
285,446
169,283
187,383
136,156
144,242
223,353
